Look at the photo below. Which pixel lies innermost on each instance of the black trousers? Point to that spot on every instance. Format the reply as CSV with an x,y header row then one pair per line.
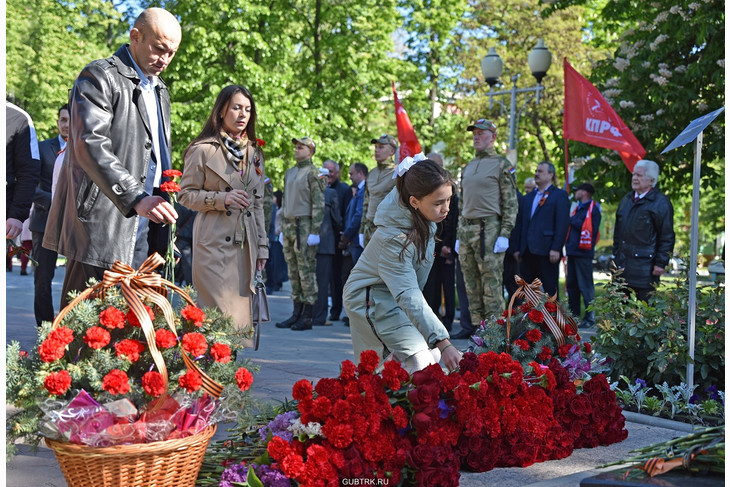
x,y
442,278
336,283
464,315
540,266
42,279
324,269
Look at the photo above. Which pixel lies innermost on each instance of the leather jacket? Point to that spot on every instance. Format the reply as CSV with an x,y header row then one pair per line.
x,y
643,237
92,218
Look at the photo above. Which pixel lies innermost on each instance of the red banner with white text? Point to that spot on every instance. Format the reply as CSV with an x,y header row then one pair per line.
x,y
589,118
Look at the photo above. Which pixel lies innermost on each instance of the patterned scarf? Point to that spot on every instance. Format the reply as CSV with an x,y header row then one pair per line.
x,y
236,147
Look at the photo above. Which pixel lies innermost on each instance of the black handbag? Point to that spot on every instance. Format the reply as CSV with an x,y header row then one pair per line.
x,y
259,307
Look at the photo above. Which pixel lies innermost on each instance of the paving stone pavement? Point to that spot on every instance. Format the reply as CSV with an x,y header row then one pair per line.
x,y
284,357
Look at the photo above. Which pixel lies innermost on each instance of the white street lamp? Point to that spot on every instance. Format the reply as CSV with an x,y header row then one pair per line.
x,y
539,61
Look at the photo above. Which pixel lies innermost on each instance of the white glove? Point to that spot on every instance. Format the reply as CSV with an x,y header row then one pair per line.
x,y
313,239
456,246
281,238
501,245
361,239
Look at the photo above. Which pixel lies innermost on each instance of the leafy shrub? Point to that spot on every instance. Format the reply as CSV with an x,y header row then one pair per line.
x,y
649,340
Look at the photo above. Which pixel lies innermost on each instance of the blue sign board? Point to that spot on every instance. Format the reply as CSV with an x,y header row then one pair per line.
x,y
693,129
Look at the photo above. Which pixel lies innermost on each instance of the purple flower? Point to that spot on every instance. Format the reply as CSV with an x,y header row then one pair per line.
x,y
712,393
641,382
234,473
271,477
278,427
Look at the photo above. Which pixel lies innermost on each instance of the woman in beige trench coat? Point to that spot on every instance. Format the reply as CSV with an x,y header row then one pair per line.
x,y
223,180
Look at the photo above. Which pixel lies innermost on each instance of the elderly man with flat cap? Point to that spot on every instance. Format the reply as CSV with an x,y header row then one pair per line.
x,y
378,183
302,214
579,248
108,193
488,209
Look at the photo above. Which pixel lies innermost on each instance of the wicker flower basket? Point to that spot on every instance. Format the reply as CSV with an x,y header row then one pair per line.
x,y
171,463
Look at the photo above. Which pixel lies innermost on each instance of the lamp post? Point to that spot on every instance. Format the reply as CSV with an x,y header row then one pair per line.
x,y
539,61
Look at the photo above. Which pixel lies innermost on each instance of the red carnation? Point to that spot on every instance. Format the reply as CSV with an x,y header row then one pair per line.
x,y
62,334
51,350
112,318
564,350
260,142
170,187
153,384
244,379
522,344
171,173
194,314
587,347
545,354
536,316
132,318
131,349
57,383
97,337
302,390
533,335
502,322
116,382
221,352
194,344
551,307
165,338
369,360
190,381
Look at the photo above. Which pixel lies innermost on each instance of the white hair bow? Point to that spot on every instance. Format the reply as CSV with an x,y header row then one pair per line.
x,y
407,163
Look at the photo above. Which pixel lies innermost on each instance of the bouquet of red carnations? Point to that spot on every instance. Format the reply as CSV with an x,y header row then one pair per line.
x,y
120,365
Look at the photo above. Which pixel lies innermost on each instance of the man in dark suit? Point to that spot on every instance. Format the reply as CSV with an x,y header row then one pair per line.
x,y
541,229
344,195
331,223
46,258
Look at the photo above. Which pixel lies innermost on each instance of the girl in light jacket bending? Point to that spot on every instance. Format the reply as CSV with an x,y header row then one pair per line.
x,y
383,295
223,181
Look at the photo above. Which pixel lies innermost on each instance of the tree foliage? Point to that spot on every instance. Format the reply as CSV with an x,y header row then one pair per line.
x,y
44,54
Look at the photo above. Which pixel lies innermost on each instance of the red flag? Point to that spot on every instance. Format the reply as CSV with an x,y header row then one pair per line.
x,y
407,139
589,118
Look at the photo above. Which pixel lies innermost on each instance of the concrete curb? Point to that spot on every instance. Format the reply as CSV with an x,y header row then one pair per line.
x,y
659,422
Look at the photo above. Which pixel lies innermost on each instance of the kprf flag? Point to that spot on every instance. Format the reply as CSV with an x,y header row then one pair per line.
x,y
407,139
589,118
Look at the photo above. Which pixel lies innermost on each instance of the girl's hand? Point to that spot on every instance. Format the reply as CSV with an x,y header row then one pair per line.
x,y
450,356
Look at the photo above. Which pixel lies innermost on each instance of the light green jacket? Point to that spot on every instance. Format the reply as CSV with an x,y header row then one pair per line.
x,y
402,320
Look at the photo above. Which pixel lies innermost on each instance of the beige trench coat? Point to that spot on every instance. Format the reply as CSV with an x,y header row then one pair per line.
x,y
223,273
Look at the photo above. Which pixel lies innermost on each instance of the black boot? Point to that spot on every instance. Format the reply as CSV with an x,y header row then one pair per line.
x,y
305,319
287,323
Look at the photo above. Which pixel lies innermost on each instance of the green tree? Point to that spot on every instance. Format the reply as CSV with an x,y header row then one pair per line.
x,y
514,27
44,57
314,68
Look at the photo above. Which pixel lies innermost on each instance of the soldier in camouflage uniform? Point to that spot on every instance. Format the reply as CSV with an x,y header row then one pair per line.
x,y
378,184
302,213
488,210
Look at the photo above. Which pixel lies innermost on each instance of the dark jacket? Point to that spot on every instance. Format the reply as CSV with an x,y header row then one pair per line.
x,y
344,195
92,218
22,166
42,201
643,237
547,228
353,216
576,224
330,223
446,229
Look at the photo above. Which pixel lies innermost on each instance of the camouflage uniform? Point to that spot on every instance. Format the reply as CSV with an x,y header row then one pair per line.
x,y
379,183
302,214
488,209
